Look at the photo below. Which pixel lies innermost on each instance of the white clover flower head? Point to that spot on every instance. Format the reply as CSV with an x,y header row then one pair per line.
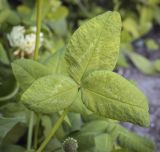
x,y
16,37
29,43
24,42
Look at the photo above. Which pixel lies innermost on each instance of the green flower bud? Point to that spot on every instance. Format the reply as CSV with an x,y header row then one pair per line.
x,y
70,145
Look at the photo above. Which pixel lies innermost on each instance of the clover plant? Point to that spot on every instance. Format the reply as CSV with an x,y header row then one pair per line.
x,y
80,79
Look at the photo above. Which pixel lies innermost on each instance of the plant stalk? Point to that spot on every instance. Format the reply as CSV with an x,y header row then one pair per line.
x,y
36,131
30,131
53,131
38,29
36,52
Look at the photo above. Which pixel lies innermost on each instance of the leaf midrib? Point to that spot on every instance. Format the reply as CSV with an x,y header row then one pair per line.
x,y
94,48
53,96
115,100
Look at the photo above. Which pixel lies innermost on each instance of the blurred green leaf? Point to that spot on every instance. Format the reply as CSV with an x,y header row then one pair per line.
x,y
122,61
75,120
4,4
58,13
4,15
47,124
15,110
59,27
156,65
130,25
3,55
8,88
12,148
142,63
13,18
121,150
133,142
15,134
54,146
6,124
151,44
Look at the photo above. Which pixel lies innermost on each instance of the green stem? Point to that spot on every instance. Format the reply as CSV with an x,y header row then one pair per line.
x,y
30,131
36,131
53,131
38,25
38,21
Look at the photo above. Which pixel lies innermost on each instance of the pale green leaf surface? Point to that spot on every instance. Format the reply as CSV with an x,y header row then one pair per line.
x,y
95,45
50,94
27,71
112,96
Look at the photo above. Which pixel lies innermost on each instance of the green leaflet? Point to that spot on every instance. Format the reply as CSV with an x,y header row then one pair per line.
x,y
27,71
133,142
50,94
95,45
110,95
